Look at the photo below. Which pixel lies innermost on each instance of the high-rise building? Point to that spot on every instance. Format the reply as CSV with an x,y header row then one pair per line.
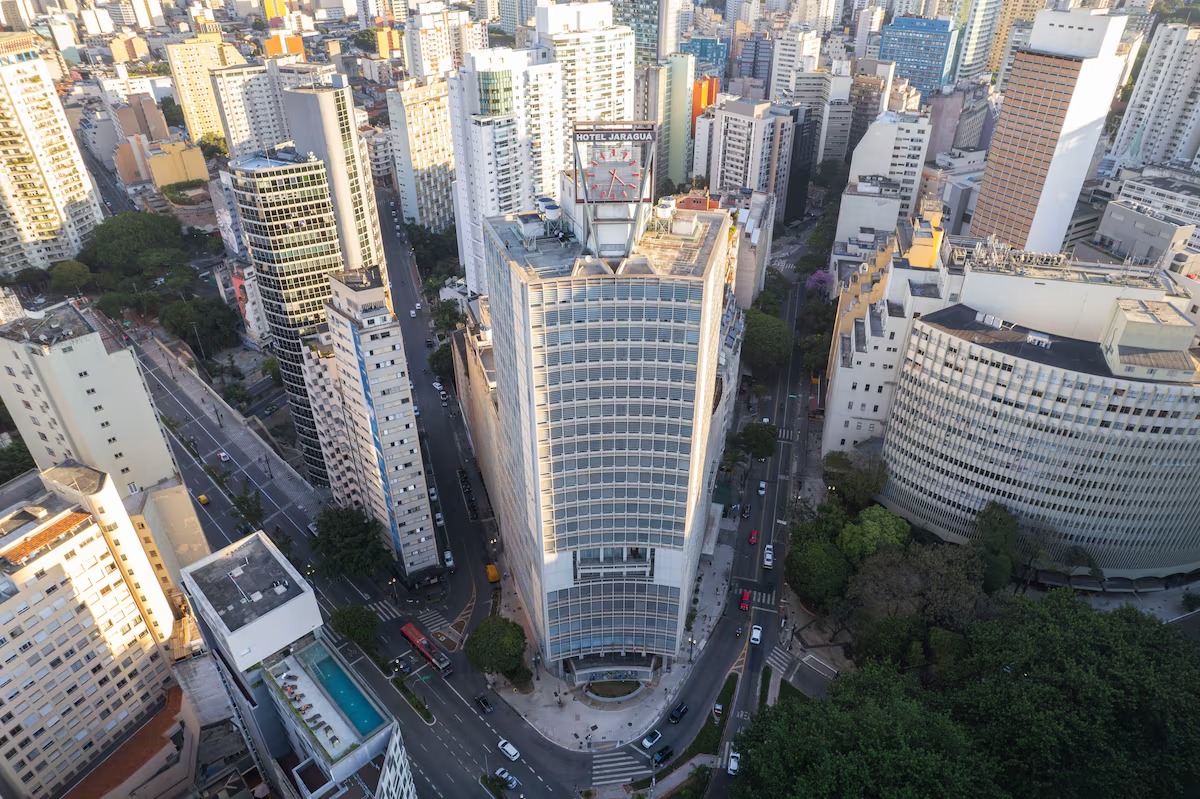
x,y
869,93
192,63
1018,40
515,13
1161,124
655,26
148,14
753,54
323,123
437,37
78,587
604,470
48,204
867,23
358,386
821,15
663,95
826,95
797,49
1054,110
712,54
978,31
894,147
250,98
285,207
923,50
423,152
747,145
1011,12
507,128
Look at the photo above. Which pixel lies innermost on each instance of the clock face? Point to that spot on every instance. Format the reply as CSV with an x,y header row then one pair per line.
x,y
614,172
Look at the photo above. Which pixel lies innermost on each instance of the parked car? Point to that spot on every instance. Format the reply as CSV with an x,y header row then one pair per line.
x,y
746,511
223,457
663,755
762,487
484,703
756,634
433,494
679,712
769,557
744,604
753,537
511,781
735,761
508,750
418,306
412,314
653,737
448,557
437,385
439,520
443,395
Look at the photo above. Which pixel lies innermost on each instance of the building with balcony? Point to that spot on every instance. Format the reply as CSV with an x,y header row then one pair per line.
x,y
423,152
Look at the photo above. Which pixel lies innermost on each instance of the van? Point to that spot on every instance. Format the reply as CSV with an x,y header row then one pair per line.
x,y
769,557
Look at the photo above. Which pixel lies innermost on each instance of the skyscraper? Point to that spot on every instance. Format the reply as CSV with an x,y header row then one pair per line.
x,y
358,387
663,94
285,206
507,126
923,50
423,152
250,99
746,145
894,147
437,37
978,32
797,49
605,419
1162,121
192,62
655,26
48,204
1011,11
1054,109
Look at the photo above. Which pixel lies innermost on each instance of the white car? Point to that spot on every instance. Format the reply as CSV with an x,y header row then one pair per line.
x,y
433,494
418,306
735,760
762,487
448,559
439,519
769,556
508,750
653,737
756,634
509,779
437,385
416,411
223,457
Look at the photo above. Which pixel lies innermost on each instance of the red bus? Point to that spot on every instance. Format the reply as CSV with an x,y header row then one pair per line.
x,y
428,650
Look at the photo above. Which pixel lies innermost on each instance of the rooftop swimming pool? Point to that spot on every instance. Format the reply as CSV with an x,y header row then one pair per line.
x,y
341,689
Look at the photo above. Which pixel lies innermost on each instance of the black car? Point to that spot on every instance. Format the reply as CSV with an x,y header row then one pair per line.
x,y
484,703
663,755
679,712
746,511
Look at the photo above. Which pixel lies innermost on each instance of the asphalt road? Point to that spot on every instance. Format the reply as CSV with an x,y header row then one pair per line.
x,y
116,198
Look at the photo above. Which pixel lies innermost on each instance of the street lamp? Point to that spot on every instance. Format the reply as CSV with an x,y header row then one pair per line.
x,y
392,585
267,463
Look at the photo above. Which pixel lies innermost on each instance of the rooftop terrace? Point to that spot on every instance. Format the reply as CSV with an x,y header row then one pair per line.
x,y
49,326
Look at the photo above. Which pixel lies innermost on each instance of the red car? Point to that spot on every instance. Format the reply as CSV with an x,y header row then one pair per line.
x,y
745,603
753,537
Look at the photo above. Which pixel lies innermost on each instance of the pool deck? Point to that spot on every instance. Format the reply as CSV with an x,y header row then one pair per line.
x,y
333,731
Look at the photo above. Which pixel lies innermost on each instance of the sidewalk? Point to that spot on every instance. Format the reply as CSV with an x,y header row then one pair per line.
x,y
566,717
666,784
235,427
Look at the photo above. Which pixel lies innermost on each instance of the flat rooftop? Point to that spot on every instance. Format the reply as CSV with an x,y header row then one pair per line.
x,y
1168,184
276,160
49,326
1013,340
82,478
245,582
1153,313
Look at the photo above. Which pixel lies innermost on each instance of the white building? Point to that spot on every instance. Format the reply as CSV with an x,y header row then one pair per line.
x,y
1161,124
894,146
358,385
507,130
827,93
655,25
1055,106
293,690
747,145
75,584
437,37
423,152
48,204
663,94
250,97
796,50
603,523
978,20
867,23
1174,193
192,63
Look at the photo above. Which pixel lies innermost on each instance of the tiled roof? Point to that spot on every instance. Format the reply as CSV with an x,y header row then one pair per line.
x,y
30,544
133,754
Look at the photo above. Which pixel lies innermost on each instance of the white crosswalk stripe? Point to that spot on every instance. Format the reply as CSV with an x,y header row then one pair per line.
x,y
385,609
763,597
786,434
432,621
780,660
617,768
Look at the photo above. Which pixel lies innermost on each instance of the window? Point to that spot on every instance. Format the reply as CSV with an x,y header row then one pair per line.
x,y
83,374
97,408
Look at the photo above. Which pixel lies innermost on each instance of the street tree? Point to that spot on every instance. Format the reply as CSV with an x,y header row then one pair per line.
x,y
875,527
815,352
349,541
69,277
270,368
205,323
941,585
767,344
758,439
873,736
357,623
213,145
497,646
855,481
248,506
441,363
997,532
817,571
447,315
120,241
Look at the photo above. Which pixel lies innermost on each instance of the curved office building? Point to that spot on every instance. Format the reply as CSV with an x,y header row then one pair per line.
x,y
1094,442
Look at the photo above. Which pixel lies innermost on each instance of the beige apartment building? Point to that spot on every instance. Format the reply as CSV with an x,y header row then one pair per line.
x,y
192,63
423,152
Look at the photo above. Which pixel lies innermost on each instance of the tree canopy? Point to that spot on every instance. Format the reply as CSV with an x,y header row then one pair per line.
x,y
497,646
356,622
172,112
350,542
69,277
447,315
997,532
14,460
212,145
818,571
206,324
768,342
441,362
248,506
758,439
875,527
855,482
119,241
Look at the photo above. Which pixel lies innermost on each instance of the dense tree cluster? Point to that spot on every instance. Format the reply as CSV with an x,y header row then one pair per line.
x,y
350,542
767,344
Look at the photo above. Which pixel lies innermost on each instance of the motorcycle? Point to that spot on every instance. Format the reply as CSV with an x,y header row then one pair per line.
x,y
739,631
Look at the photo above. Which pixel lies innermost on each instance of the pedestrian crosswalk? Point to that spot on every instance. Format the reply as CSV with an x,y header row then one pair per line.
x,y
617,768
787,434
432,621
385,609
780,660
765,598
